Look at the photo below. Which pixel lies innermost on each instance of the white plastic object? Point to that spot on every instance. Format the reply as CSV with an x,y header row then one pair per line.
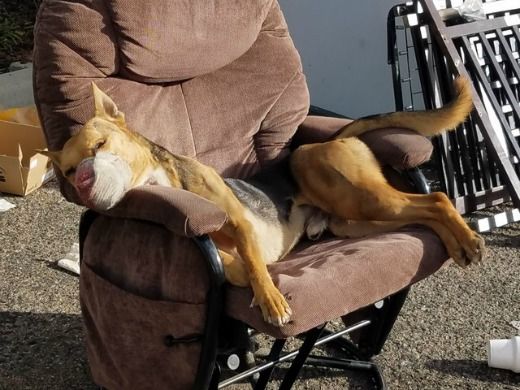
x,y
70,261
233,361
5,205
472,10
505,354
379,304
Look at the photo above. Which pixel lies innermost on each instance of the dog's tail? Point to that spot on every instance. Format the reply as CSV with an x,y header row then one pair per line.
x,y
427,123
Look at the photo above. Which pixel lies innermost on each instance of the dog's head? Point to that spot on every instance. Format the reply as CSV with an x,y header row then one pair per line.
x,y
101,161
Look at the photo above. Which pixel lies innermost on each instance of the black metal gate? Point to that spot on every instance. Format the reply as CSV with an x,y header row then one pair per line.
x,y
477,165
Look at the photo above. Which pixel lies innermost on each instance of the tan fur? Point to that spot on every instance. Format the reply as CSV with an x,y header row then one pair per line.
x,y
427,123
341,177
108,131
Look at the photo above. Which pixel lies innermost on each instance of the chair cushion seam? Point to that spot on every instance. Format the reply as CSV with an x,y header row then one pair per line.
x,y
255,146
189,120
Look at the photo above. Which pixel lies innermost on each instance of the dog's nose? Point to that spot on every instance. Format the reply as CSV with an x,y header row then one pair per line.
x,y
85,177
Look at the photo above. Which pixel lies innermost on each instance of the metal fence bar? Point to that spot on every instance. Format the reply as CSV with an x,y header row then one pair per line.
x,y
476,162
474,64
444,39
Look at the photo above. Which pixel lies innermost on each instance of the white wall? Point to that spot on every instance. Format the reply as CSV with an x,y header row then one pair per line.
x,y
16,88
343,49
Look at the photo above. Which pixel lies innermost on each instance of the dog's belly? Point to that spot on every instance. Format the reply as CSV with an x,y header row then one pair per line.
x,y
277,237
277,223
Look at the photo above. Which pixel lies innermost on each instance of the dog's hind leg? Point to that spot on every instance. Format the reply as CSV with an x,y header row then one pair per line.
x,y
356,229
343,178
434,210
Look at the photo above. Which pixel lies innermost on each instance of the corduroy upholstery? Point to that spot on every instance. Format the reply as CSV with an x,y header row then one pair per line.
x,y
219,80
237,118
337,276
398,148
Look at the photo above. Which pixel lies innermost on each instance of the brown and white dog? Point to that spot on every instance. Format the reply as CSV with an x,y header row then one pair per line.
x,y
335,185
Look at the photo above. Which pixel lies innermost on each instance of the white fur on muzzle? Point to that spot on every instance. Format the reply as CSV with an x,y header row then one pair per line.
x,y
102,181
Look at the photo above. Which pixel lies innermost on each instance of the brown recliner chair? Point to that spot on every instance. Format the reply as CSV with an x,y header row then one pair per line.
x,y
220,81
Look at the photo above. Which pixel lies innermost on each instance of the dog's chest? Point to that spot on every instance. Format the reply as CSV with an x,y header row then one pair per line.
x,y
157,176
277,237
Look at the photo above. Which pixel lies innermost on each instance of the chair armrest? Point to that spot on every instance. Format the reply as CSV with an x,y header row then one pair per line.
x,y
318,129
144,272
180,211
399,148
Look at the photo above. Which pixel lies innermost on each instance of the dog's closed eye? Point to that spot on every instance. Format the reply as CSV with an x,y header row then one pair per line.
x,y
99,144
70,171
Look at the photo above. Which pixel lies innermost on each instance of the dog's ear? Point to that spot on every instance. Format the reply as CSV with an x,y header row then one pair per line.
x,y
54,156
105,107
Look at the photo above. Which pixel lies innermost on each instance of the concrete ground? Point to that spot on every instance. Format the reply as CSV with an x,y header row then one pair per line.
x,y
439,340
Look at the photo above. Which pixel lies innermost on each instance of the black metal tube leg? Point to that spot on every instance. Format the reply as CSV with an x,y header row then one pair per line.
x,y
274,354
304,351
215,378
347,364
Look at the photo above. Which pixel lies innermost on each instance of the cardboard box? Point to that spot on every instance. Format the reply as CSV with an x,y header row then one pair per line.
x,y
22,169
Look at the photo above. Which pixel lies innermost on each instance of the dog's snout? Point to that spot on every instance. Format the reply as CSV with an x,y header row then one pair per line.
x,y
102,181
85,176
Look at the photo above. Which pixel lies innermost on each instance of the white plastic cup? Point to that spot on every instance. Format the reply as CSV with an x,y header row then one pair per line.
x,y
505,353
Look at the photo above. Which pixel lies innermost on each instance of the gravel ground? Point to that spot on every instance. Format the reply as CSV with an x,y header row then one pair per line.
x,y
439,340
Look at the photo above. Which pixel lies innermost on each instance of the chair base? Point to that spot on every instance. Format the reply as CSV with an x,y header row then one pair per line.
x,y
369,367
352,359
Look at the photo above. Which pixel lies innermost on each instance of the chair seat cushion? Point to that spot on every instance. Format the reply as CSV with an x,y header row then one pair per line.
x,y
326,280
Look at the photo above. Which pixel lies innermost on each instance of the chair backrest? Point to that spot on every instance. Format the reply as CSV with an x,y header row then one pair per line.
x,y
216,79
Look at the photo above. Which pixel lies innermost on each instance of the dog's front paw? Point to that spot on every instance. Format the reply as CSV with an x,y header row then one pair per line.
x,y
272,303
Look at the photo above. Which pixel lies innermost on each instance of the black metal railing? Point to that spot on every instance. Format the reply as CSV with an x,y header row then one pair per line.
x,y
478,164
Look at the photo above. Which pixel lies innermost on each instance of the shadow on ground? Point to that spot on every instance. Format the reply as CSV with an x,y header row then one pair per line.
x,y
475,369
503,240
42,351
46,351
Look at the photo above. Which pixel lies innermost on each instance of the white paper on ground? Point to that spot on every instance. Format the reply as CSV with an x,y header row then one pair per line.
x,y
70,261
5,205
